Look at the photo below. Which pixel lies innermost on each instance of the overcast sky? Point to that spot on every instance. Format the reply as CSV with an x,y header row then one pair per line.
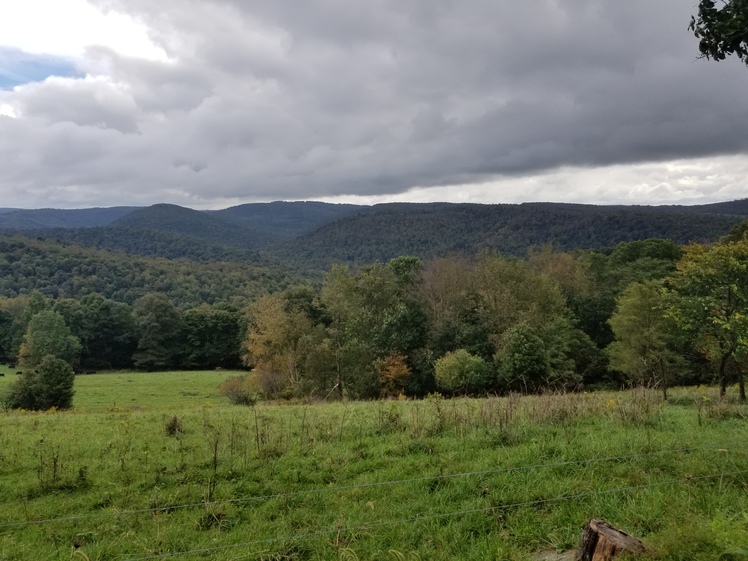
x,y
211,103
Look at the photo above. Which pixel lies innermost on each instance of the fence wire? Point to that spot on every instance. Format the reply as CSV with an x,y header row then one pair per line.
x,y
420,518
290,494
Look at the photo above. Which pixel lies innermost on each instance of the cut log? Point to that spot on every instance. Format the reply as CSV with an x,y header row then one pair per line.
x,y
602,542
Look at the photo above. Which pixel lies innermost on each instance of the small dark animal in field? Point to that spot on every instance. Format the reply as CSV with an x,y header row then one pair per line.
x,y
2,373
19,373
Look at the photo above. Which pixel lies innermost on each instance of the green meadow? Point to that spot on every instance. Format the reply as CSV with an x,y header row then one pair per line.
x,y
160,466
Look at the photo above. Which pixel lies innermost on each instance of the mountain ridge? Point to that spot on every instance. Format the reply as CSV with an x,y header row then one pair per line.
x,y
313,235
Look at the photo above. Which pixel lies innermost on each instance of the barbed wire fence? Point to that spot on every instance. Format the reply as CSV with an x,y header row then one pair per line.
x,y
341,529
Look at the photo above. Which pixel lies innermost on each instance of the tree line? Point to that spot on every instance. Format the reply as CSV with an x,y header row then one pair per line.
x,y
649,311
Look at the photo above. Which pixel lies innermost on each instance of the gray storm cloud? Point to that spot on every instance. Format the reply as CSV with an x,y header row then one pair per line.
x,y
299,100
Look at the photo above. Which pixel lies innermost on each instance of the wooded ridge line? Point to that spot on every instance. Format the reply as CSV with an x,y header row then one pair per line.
x,y
311,236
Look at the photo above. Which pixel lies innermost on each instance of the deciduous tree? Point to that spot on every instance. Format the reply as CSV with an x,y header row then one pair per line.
x,y
159,327
645,337
274,343
48,335
394,374
710,289
722,31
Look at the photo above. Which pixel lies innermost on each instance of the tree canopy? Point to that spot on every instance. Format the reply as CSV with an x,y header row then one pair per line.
x,y
711,289
722,31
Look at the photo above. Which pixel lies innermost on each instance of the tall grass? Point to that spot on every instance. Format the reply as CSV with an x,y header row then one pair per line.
x,y
309,469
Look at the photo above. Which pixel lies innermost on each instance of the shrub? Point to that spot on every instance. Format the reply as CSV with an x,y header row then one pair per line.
x,y
461,372
50,385
240,390
173,426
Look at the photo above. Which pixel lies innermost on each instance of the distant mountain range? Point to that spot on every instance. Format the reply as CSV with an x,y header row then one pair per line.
x,y
57,218
312,235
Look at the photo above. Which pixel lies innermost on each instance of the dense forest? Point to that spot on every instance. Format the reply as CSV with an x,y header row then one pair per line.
x,y
59,269
309,237
432,230
648,311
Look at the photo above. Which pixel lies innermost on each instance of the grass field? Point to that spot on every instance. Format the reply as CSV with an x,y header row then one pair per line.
x,y
142,390
495,478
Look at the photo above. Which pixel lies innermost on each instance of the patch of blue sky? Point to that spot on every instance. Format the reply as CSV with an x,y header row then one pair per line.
x,y
19,67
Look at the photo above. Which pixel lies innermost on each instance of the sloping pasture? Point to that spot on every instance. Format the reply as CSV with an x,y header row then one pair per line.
x,y
178,473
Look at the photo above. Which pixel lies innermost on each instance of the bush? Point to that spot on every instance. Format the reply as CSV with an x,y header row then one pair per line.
x,y
50,385
173,426
240,390
461,372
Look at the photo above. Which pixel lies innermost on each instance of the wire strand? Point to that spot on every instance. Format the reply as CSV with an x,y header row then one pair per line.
x,y
434,516
349,487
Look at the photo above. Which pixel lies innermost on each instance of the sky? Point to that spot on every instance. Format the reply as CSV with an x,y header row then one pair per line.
x,y
213,103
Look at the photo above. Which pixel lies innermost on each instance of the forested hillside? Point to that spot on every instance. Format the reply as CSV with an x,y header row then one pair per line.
x,y
175,219
647,311
283,220
64,270
57,218
310,236
383,232
148,243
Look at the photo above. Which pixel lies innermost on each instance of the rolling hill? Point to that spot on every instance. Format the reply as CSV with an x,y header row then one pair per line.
x,y
58,218
283,220
429,230
310,236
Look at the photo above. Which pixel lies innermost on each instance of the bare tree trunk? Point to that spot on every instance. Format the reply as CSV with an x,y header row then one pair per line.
x,y
723,376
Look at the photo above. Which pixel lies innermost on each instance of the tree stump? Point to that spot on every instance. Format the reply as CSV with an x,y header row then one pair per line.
x,y
602,542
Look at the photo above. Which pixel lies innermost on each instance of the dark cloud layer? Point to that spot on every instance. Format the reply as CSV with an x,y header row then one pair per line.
x,y
299,100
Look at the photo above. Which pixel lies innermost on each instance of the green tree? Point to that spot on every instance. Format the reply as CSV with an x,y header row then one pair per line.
x,y
511,293
6,337
158,324
50,385
339,298
737,233
645,337
213,338
274,343
523,362
461,372
608,275
722,31
710,301
35,303
48,335
107,332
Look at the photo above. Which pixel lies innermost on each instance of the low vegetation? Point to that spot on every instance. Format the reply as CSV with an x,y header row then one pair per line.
x,y
132,475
